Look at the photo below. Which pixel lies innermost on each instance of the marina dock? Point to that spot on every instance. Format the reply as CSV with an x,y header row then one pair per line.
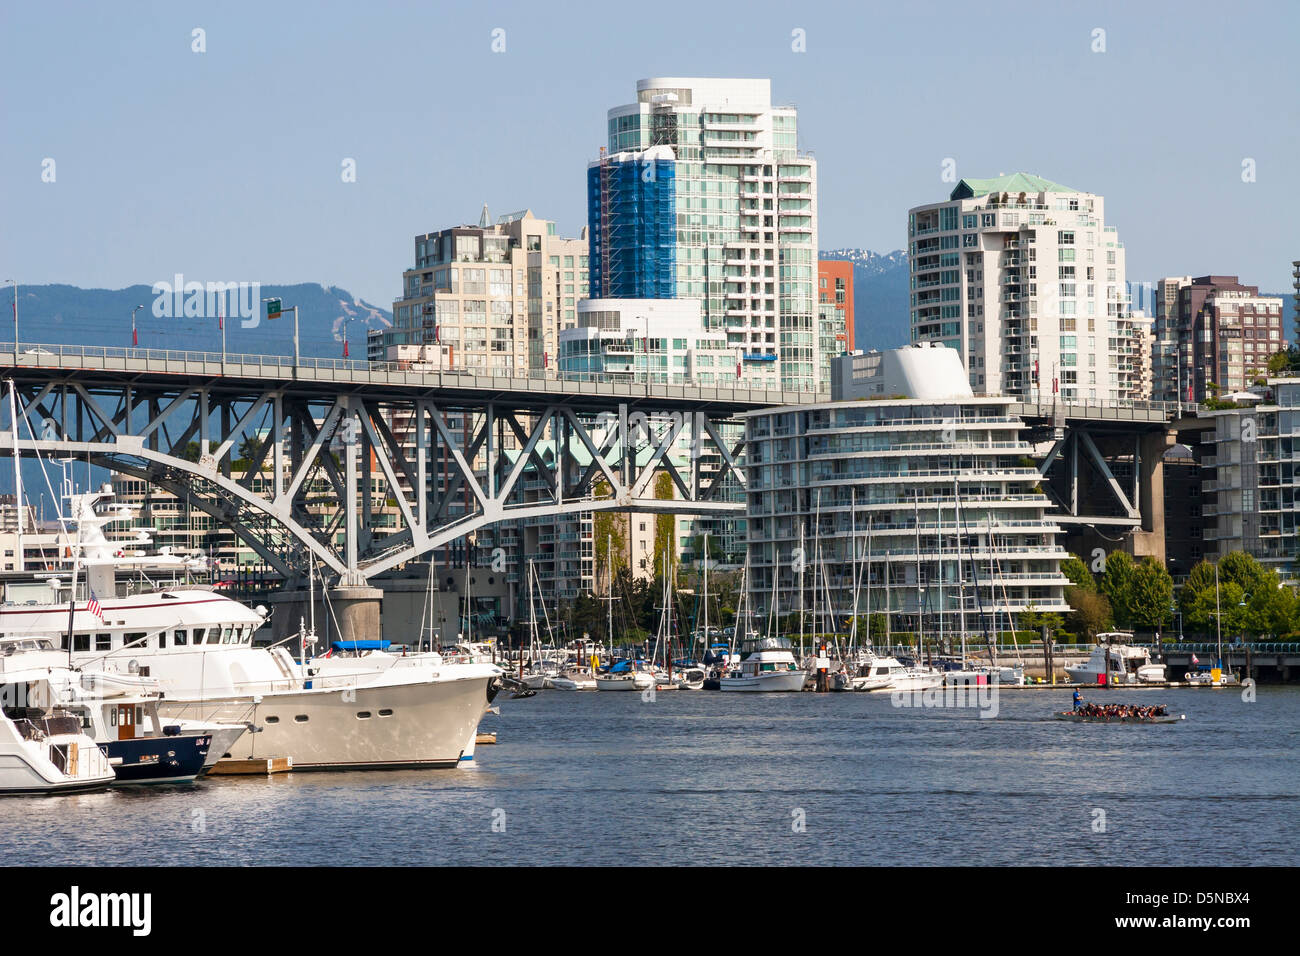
x,y
259,767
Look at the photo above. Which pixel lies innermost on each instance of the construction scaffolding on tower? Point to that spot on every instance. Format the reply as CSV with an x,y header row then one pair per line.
x,y
632,218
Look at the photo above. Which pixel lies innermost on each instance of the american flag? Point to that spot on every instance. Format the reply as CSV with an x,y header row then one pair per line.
x,y
94,608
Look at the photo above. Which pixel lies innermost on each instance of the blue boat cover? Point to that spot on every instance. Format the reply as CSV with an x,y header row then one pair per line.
x,y
360,645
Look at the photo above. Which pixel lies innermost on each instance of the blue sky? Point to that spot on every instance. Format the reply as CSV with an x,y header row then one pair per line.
x,y
225,165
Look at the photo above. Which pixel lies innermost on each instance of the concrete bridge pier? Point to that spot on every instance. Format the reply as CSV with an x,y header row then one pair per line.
x,y
347,613
1150,538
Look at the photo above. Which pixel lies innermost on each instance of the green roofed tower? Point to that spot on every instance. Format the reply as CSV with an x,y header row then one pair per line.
x,y
1015,183
1022,276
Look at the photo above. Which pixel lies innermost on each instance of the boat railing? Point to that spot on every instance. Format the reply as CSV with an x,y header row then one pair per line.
x,y
40,727
1210,647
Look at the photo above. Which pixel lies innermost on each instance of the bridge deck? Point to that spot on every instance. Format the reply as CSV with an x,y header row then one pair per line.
x,y
401,380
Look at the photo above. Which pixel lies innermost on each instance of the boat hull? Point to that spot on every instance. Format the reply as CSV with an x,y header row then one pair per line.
x,y
415,724
638,681
1089,719
178,759
773,682
23,772
569,683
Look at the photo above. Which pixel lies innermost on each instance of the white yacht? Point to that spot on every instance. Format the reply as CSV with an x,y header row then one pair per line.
x,y
889,673
43,748
770,667
1119,661
120,712
376,710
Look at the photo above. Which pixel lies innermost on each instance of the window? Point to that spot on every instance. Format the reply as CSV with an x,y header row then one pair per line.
x,y
180,638
103,642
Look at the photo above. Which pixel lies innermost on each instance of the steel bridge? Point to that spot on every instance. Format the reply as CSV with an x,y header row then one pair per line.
x,y
296,459
1103,466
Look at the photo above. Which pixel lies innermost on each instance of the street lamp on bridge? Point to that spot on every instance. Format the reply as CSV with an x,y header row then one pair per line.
x,y
274,311
15,285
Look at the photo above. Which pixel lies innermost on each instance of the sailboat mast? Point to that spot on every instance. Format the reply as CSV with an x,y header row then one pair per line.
x,y
609,597
774,617
961,577
868,575
18,481
705,635
938,540
916,527
803,562
853,569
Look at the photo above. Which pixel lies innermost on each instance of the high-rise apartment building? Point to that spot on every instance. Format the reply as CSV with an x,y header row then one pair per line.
x,y
1249,464
834,310
1213,334
716,158
893,521
1024,278
491,297
1171,354
1295,272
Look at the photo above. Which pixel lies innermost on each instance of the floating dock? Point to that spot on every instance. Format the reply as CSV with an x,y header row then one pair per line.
x,y
260,766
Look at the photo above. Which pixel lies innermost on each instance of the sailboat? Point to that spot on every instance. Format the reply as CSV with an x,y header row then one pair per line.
x,y
538,670
770,665
1215,676
580,676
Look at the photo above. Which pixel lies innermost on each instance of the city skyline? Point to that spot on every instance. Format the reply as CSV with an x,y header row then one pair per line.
x,y
143,172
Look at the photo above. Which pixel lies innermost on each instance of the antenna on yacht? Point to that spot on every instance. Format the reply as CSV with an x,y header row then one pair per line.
x,y
72,590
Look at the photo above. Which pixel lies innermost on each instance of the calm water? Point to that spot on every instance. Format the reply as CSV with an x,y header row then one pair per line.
x,y
721,778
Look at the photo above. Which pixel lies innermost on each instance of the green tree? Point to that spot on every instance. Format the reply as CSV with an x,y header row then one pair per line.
x,y
248,449
609,540
1196,598
1282,362
1078,574
1117,585
1241,569
1090,614
665,525
1032,619
1151,594
1247,601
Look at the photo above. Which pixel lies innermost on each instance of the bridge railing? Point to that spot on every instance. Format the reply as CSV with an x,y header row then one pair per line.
x,y
1104,408
40,355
